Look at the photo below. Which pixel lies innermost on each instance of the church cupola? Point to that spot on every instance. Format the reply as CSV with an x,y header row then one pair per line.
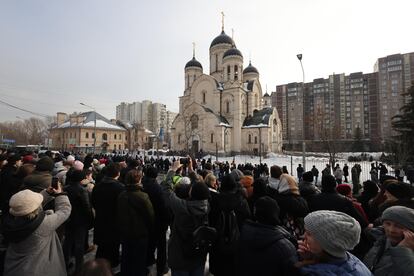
x,y
193,69
267,100
233,65
250,72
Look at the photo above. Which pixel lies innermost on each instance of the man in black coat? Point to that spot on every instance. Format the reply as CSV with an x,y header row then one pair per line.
x,y
329,199
158,239
266,248
80,220
7,179
105,201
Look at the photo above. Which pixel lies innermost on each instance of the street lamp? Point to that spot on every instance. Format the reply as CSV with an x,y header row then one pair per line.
x,y
299,56
94,125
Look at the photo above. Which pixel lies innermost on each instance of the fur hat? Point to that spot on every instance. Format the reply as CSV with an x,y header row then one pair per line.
x,y
45,164
401,215
13,158
70,158
228,183
237,174
328,183
344,189
24,203
336,232
308,176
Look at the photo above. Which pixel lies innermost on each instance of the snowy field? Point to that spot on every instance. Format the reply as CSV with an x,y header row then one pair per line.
x,y
319,162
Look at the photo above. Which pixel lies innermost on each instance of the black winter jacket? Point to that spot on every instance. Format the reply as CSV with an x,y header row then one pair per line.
x,y
265,250
81,214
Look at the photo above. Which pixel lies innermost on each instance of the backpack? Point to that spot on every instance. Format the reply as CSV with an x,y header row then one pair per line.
x,y
201,239
228,232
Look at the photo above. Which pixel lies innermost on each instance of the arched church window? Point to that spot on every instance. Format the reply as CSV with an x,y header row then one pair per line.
x,y
194,78
188,81
87,135
274,125
227,107
216,63
250,138
115,136
204,97
104,136
236,72
255,139
212,138
194,122
228,72
179,139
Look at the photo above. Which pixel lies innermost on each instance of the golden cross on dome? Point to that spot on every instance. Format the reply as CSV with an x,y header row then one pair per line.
x,y
222,21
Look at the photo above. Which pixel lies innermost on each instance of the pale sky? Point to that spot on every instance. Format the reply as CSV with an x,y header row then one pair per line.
x,y
55,54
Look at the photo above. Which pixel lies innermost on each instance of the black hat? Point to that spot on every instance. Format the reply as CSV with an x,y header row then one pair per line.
x,y
267,211
308,176
328,183
228,183
13,158
199,191
399,190
45,164
77,176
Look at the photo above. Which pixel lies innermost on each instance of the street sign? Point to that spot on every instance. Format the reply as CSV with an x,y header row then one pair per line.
x,y
9,141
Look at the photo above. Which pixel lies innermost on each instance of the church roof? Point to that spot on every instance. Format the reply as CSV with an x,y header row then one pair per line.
x,y
266,95
250,69
222,39
232,52
260,118
223,121
193,63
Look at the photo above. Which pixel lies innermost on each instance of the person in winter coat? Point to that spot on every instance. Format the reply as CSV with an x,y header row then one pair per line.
x,y
266,248
161,219
136,223
41,178
80,220
7,179
34,247
327,170
393,252
369,192
328,237
315,173
329,199
306,186
188,214
355,175
346,172
397,194
374,173
338,173
293,208
346,191
104,200
228,200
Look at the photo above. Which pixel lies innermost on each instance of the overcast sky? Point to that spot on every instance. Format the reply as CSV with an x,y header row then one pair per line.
x,y
56,54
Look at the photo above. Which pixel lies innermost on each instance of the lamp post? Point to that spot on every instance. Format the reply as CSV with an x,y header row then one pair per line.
x,y
94,125
299,56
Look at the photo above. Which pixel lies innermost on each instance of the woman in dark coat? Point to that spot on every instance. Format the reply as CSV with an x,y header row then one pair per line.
x,y
136,222
230,199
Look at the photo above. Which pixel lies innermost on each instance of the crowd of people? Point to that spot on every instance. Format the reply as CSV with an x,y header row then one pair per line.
x,y
188,216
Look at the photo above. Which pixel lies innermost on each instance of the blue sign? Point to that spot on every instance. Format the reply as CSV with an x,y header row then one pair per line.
x,y
10,141
161,134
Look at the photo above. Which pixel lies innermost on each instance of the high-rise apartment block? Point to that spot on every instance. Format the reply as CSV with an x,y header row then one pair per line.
x,y
344,107
152,116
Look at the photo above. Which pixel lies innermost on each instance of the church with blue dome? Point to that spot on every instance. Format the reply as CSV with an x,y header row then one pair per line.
x,y
225,111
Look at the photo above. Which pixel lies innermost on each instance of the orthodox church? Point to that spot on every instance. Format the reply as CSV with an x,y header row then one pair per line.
x,y
225,111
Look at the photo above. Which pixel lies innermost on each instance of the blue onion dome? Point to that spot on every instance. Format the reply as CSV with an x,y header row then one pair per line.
x,y
222,39
232,52
250,69
193,63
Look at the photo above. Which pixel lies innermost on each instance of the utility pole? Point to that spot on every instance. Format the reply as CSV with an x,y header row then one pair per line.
x,y
299,56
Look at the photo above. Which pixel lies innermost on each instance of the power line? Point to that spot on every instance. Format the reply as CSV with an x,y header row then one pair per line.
x,y
25,110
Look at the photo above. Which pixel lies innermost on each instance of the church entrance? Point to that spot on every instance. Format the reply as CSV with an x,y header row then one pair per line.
x,y
195,147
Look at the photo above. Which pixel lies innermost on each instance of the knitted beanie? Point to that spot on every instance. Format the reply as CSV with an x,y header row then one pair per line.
x,y
78,165
45,164
401,215
399,190
344,189
336,232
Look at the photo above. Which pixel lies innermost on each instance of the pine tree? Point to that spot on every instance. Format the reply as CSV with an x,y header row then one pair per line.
x,y
403,124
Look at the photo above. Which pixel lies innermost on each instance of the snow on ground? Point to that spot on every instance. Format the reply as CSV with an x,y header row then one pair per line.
x,y
292,162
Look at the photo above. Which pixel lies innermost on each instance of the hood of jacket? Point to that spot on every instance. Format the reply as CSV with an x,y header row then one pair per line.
x,y
198,208
260,236
228,201
16,229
